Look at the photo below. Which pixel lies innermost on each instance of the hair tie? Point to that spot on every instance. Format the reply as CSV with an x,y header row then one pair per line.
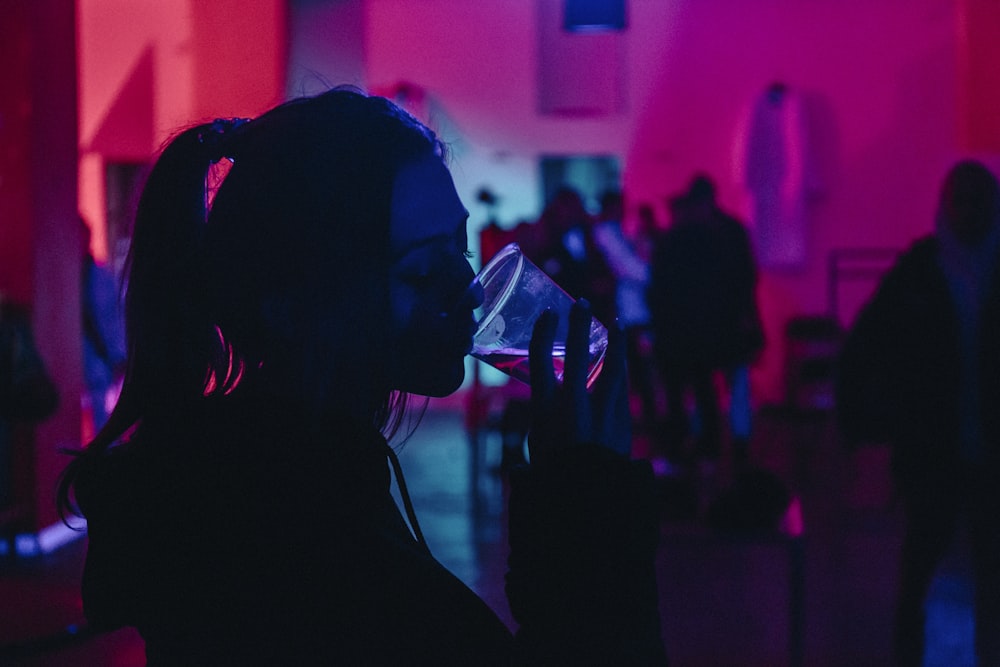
x,y
214,137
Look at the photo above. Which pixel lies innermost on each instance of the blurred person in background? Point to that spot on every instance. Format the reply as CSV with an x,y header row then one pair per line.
x,y
631,278
705,322
920,370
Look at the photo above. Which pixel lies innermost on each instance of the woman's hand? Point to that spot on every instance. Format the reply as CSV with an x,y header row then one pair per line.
x,y
568,415
584,524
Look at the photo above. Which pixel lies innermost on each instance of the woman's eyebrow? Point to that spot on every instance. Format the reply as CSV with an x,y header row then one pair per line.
x,y
422,243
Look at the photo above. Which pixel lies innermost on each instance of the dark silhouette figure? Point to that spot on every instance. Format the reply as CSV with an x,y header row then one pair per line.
x,y
238,499
648,230
630,271
920,370
566,251
702,300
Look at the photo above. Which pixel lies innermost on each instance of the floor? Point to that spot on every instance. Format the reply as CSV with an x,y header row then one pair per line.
x,y
726,600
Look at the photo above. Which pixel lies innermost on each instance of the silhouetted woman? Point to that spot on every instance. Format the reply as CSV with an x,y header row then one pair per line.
x,y
238,502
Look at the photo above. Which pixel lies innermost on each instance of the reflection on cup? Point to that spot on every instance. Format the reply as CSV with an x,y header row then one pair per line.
x,y
516,293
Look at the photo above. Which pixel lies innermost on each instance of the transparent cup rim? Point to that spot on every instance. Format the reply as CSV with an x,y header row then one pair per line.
x,y
505,254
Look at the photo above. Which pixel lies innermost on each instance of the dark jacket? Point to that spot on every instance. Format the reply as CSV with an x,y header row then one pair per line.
x,y
702,295
228,538
898,375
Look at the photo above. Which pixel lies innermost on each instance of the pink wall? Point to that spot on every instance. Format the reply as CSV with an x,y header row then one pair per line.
x,y
148,69
56,256
879,81
979,81
327,45
39,232
15,154
239,57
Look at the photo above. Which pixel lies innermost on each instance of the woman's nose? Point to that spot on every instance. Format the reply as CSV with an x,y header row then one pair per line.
x,y
473,296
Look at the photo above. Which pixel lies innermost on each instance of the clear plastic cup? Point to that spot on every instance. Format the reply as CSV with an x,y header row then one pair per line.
x,y
516,293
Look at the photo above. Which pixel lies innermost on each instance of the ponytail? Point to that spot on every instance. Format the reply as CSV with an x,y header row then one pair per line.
x,y
298,243
173,345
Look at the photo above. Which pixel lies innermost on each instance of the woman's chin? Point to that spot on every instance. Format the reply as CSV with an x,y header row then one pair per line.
x,y
440,383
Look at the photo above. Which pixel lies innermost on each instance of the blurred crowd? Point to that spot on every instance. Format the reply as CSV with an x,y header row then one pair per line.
x,y
683,289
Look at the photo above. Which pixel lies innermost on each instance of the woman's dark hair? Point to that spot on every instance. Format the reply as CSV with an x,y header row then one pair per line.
x,y
282,283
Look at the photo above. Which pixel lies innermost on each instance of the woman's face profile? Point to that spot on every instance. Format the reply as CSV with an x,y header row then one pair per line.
x,y
430,275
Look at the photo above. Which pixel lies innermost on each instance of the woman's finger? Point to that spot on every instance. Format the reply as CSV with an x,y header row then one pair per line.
x,y
544,420
577,346
575,372
540,369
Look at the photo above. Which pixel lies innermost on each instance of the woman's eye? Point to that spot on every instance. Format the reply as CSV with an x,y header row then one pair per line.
x,y
418,277
426,268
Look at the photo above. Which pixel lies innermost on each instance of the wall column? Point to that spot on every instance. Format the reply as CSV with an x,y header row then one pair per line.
x,y
978,75
40,234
